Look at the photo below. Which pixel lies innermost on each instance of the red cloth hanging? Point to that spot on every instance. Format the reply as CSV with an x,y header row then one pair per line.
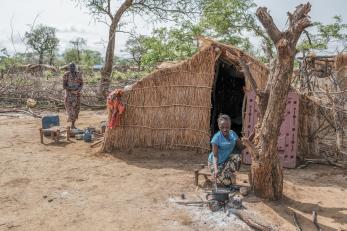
x,y
115,107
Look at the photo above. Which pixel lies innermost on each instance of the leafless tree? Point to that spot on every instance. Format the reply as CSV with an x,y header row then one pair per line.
x,y
266,175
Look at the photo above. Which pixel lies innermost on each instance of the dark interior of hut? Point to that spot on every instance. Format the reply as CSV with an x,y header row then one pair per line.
x,y
227,95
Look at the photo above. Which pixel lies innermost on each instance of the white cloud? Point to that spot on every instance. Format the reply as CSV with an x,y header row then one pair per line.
x,y
72,21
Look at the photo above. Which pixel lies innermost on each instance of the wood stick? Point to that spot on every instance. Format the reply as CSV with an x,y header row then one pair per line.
x,y
248,75
68,130
323,162
196,177
249,221
21,111
315,220
83,104
98,142
296,222
41,135
191,202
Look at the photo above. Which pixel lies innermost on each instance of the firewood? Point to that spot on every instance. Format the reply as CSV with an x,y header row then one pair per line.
x,y
251,223
98,142
315,220
296,222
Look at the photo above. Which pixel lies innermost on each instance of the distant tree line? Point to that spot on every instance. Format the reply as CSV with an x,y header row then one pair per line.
x,y
42,48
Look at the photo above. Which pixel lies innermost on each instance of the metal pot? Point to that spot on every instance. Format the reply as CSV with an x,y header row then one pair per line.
x,y
218,195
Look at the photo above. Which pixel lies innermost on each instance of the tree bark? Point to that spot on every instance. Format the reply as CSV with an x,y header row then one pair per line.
x,y
106,70
266,174
40,58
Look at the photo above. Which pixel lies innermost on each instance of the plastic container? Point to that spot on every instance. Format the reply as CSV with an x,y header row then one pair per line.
x,y
87,136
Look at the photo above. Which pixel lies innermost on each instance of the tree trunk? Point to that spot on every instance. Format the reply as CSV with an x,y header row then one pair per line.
x,y
139,66
106,70
51,59
266,172
266,175
78,56
40,58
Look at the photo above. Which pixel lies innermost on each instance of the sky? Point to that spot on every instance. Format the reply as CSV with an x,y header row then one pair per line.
x,y
72,21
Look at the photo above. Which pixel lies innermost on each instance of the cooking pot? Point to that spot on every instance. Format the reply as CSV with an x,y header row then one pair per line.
x,y
218,195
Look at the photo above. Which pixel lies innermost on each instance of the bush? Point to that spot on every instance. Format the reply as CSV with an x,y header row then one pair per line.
x,y
128,75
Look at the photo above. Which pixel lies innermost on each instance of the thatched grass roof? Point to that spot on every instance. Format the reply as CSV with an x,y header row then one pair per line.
x,y
232,55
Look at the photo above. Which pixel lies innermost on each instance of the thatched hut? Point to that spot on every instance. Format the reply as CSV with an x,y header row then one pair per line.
x,y
177,105
171,107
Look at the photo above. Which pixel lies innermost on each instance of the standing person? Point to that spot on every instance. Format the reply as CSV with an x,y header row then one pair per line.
x,y
72,83
221,161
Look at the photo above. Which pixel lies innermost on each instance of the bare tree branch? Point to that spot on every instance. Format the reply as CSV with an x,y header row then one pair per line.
x,y
267,22
248,75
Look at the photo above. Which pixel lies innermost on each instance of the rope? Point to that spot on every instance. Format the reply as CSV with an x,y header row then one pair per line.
x,y
182,145
189,129
192,86
172,105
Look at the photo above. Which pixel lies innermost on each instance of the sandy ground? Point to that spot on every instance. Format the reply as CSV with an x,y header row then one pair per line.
x,y
71,187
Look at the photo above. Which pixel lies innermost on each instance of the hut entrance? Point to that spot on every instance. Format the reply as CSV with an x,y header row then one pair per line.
x,y
227,96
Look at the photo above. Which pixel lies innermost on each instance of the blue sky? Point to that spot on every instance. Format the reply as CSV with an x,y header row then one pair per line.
x,y
72,22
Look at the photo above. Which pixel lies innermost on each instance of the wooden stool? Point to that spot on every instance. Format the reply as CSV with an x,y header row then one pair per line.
x,y
200,172
55,132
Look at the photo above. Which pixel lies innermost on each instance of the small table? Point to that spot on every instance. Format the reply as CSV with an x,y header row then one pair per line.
x,y
55,132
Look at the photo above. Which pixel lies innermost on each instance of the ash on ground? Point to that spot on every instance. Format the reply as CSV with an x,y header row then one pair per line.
x,y
202,216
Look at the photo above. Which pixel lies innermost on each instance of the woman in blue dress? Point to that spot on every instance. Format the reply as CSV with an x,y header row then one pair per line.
x,y
222,157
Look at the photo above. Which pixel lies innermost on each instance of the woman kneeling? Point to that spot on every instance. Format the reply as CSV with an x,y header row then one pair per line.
x,y
221,161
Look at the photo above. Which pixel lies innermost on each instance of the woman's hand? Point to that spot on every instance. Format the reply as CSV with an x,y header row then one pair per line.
x,y
240,145
215,175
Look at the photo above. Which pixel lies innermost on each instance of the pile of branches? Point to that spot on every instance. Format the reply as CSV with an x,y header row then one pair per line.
x,y
47,92
322,80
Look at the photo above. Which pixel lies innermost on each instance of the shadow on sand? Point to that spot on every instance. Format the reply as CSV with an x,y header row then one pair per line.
x,y
160,159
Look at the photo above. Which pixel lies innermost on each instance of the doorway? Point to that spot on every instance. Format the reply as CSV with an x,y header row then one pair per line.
x,y
227,96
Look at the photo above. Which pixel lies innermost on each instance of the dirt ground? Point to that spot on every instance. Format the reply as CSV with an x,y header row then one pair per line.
x,y
70,186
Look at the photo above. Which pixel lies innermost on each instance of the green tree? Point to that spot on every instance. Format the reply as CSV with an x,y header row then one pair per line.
x,y
70,56
228,21
165,44
322,35
4,61
233,22
87,57
91,58
123,61
78,44
135,46
42,39
160,10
